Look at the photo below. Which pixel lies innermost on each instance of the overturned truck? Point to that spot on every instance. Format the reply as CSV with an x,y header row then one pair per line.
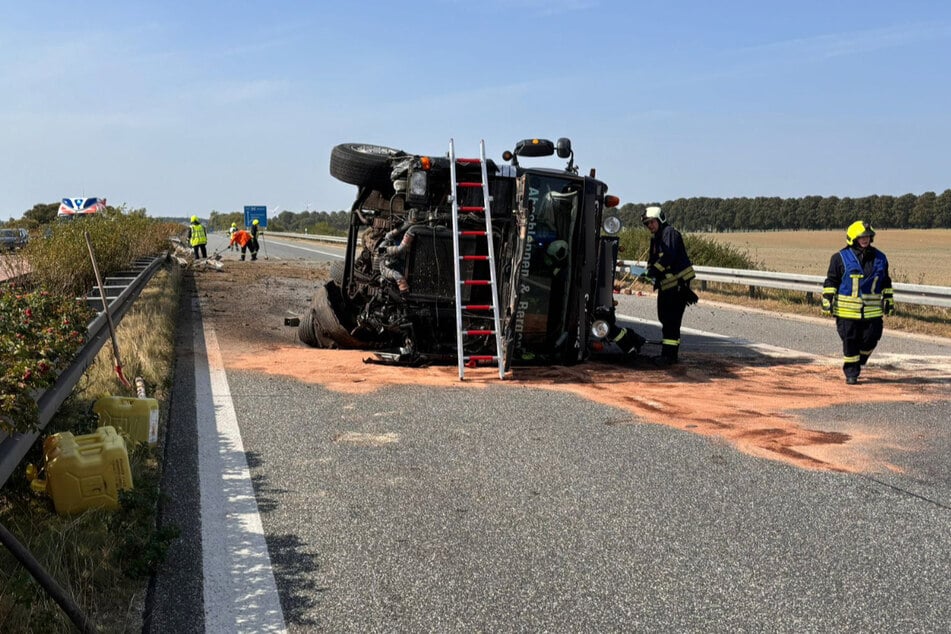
x,y
555,251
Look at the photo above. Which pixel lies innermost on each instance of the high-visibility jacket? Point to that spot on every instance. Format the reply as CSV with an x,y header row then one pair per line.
x,y
668,263
241,238
860,282
196,235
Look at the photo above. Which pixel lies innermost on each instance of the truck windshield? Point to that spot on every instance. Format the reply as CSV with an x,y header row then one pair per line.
x,y
551,206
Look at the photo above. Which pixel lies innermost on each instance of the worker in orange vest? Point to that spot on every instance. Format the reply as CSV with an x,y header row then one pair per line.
x,y
241,238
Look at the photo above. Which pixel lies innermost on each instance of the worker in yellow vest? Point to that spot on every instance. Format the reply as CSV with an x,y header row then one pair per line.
x,y
198,238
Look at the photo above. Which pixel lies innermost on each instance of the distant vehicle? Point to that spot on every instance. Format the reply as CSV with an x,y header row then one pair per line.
x,y
555,248
71,207
12,239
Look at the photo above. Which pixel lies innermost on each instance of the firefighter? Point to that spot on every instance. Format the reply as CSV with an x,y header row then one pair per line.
x,y
241,238
670,270
253,246
234,227
197,238
858,292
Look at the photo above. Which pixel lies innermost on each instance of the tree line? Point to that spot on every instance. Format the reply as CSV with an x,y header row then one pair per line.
x,y
701,214
698,214
325,223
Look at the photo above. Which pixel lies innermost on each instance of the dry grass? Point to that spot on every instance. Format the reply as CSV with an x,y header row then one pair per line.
x,y
915,256
143,339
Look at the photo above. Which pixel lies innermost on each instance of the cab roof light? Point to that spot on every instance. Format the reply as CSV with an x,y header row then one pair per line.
x,y
611,201
426,162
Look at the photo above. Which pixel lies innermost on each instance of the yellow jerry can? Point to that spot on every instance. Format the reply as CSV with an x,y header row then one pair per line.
x,y
138,417
83,472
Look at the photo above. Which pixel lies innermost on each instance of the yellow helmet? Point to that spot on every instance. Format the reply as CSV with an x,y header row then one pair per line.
x,y
194,220
234,224
858,229
255,222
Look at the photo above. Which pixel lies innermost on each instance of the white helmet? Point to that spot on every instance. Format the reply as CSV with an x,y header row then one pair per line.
x,y
653,213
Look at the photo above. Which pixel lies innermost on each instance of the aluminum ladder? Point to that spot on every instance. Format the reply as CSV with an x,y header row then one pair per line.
x,y
459,258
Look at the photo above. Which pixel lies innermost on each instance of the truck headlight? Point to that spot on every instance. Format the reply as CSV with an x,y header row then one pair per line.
x,y
611,225
600,329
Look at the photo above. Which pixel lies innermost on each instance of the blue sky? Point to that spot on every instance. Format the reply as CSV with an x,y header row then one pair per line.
x,y
186,107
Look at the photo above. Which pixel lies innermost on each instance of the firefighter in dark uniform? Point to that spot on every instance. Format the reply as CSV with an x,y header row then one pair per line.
x,y
197,238
858,292
670,270
254,245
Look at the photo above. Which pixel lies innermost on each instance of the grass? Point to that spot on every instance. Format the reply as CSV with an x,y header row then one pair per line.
x,y
103,559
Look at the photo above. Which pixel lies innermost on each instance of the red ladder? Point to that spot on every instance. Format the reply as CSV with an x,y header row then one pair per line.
x,y
485,210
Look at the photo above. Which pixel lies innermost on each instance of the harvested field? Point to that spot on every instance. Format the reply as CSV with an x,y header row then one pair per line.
x,y
916,256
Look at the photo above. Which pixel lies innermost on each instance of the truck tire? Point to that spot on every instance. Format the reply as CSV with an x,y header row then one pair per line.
x,y
336,272
327,327
362,164
305,331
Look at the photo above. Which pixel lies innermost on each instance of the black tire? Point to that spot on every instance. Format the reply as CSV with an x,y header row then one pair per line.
x,y
327,326
363,165
305,331
336,272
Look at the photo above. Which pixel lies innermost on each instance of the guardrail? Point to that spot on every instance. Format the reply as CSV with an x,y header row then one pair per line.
x,y
13,448
919,294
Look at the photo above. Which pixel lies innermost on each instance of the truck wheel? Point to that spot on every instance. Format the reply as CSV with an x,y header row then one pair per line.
x,y
305,331
336,272
362,164
327,326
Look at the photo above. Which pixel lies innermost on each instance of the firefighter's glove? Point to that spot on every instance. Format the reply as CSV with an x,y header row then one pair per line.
x,y
827,299
690,298
888,306
645,279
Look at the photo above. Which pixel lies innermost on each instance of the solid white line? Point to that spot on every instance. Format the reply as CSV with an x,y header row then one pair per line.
x,y
240,594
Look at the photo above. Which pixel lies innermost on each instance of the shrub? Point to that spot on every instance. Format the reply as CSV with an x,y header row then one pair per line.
x,y
42,335
59,259
703,251
47,326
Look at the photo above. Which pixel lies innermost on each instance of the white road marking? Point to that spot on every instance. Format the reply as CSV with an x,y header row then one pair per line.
x,y
240,594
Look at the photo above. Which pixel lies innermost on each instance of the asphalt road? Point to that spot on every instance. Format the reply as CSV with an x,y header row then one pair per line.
x,y
517,509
